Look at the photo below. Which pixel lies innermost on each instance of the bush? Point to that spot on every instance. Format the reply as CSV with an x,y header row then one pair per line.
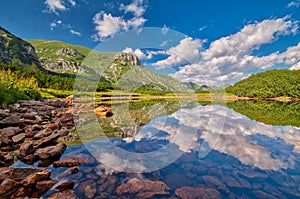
x,y
14,88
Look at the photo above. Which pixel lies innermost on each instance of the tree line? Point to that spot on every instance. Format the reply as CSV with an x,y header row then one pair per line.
x,y
268,84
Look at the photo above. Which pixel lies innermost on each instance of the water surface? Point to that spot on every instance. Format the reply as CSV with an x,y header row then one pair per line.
x,y
248,149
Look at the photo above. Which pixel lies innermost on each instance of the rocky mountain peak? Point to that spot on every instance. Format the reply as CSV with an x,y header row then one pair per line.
x,y
129,58
67,51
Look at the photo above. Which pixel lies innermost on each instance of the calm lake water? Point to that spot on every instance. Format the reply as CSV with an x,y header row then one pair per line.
x,y
246,149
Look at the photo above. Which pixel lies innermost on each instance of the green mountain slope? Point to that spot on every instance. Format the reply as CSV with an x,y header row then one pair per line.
x,y
123,70
196,87
273,83
12,48
62,57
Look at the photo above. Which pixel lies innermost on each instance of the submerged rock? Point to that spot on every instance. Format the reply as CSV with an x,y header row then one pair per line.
x,y
143,188
66,194
197,192
65,186
69,162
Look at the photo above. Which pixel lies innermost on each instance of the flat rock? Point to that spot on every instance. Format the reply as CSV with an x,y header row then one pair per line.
x,y
44,185
66,194
87,189
57,103
197,193
5,172
11,120
212,180
65,186
35,177
69,162
8,187
23,192
51,151
5,141
52,126
19,174
9,131
45,141
230,181
4,113
261,194
43,133
63,132
143,188
25,149
18,138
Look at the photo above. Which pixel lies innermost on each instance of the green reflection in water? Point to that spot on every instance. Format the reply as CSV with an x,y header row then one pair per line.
x,y
269,112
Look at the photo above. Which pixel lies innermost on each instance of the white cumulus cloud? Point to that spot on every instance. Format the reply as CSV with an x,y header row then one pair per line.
x,y
229,58
108,25
58,5
136,7
187,51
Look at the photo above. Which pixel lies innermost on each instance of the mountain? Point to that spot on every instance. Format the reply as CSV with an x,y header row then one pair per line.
x,y
127,73
122,69
62,57
272,83
108,70
13,48
196,87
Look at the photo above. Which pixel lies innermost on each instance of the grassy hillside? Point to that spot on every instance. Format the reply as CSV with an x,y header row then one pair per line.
x,y
273,83
62,57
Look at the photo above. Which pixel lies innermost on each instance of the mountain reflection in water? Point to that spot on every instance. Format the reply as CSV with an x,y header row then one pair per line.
x,y
230,155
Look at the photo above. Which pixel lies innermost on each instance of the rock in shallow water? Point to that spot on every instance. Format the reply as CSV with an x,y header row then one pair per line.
x,y
67,194
143,188
69,162
65,186
197,192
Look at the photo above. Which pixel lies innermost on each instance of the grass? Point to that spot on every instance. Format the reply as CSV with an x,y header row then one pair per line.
x,y
14,88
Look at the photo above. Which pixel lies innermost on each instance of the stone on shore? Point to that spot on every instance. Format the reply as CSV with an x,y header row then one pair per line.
x,y
51,151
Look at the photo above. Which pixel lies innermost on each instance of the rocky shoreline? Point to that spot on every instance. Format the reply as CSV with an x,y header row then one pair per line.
x,y
31,132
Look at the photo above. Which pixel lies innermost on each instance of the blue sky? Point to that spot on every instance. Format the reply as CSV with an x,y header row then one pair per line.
x,y
225,40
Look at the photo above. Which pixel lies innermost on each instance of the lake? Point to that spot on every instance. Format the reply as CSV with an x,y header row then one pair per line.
x,y
188,149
